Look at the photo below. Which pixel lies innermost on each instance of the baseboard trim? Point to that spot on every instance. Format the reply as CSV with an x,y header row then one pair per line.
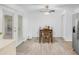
x,y
19,43
67,39
53,37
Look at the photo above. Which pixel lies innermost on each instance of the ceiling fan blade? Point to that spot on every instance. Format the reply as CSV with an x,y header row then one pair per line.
x,y
44,10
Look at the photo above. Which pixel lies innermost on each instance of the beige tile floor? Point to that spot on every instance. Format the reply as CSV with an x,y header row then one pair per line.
x,y
33,47
10,49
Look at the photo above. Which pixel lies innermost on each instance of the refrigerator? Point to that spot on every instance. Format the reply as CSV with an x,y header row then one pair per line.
x,y
75,39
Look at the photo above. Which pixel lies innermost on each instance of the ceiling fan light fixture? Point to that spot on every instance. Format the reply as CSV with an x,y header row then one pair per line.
x,y
46,13
47,10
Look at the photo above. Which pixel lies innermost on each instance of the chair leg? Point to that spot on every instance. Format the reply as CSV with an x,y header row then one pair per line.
x,y
39,40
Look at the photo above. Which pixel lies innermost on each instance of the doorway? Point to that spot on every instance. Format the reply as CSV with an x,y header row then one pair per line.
x,y
8,27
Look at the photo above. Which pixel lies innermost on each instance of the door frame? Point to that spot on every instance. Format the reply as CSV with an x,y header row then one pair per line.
x,y
4,25
5,12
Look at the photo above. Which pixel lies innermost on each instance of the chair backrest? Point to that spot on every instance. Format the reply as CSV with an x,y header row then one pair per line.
x,y
46,32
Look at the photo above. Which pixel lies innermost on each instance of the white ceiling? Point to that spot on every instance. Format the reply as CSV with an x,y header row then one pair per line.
x,y
35,7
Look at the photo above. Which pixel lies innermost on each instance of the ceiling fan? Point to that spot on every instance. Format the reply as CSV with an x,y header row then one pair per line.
x,y
47,9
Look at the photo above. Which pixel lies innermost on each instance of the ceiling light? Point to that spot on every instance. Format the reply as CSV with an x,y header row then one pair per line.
x,y
46,13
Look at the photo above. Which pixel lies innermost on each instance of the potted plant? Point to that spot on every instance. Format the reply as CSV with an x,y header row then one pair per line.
x,y
0,35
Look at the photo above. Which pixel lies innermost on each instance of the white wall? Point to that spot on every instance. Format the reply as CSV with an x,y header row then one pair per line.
x,y
25,27
67,22
37,19
62,27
